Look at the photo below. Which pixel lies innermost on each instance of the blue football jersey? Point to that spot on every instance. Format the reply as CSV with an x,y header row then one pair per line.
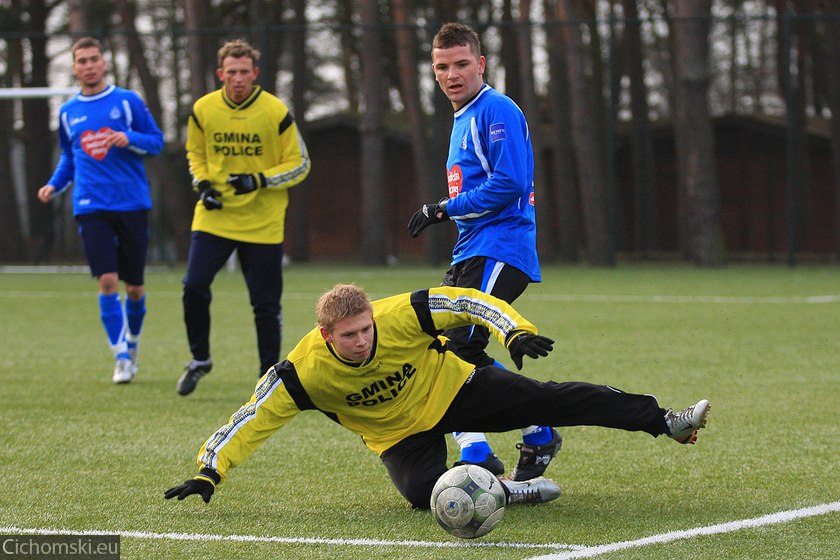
x,y
490,172
106,178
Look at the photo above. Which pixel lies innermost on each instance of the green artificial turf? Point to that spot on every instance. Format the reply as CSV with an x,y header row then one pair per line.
x,y
761,342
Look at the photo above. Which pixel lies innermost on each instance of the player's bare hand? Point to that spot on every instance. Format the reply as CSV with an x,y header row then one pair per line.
x,y
45,193
118,139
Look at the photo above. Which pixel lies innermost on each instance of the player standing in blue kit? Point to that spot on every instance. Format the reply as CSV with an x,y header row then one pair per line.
x,y
105,131
490,172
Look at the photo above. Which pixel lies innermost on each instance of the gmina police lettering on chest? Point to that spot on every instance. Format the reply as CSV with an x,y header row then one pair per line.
x,y
237,144
382,390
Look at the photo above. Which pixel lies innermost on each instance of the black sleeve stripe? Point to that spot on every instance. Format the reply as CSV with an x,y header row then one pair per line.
x,y
286,123
288,374
420,303
195,120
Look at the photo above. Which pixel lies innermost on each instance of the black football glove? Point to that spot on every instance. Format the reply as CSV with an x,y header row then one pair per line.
x,y
210,197
198,485
246,182
433,213
527,344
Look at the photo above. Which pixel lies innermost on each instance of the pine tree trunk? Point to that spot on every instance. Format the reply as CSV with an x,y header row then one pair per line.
x,y
373,143
697,167
590,162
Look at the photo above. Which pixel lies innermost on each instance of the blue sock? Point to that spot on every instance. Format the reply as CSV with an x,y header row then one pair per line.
x,y
134,313
476,452
539,437
111,313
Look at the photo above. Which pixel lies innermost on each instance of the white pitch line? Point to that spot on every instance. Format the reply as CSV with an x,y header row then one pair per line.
x,y
572,551
653,298
772,519
286,540
564,298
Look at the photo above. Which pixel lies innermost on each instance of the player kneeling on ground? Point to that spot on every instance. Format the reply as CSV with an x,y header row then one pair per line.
x,y
382,370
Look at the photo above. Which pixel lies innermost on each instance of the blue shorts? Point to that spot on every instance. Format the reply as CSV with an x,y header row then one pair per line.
x,y
116,242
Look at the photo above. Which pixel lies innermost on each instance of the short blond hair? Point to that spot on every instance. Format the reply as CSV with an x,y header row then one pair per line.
x,y
341,302
237,49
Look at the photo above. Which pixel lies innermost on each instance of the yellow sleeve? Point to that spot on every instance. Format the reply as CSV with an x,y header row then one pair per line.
x,y
196,150
294,163
270,408
454,307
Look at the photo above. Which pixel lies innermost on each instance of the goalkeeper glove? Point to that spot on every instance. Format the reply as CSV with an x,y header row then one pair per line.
x,y
203,485
245,182
210,197
433,213
527,344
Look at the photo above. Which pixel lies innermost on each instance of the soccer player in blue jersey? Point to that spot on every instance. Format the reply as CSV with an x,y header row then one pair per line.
x,y
490,172
105,131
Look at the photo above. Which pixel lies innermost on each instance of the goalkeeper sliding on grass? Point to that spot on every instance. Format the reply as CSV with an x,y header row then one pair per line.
x,y
382,370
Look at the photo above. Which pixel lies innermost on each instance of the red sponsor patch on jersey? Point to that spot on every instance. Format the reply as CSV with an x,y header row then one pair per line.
x,y
93,143
455,179
531,199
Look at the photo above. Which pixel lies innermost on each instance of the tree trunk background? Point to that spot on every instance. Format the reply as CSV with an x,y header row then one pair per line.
x,y
299,197
373,142
565,197
697,168
39,151
588,152
646,220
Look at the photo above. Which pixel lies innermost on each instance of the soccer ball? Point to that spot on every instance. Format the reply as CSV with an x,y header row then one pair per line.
x,y
468,501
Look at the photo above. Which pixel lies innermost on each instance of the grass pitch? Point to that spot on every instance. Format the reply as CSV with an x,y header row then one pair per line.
x,y
761,342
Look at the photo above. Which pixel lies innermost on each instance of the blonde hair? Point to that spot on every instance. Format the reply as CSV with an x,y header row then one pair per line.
x,y
237,49
341,302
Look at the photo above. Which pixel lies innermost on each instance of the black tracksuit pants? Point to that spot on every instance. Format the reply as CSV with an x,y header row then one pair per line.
x,y
497,400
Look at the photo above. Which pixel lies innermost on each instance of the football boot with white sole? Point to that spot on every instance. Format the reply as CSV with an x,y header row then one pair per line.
x,y
535,491
123,371
683,425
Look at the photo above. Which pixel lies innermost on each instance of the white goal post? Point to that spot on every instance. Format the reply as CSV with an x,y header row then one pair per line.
x,y
33,92
18,177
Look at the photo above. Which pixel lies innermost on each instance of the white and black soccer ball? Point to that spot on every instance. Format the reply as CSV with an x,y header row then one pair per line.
x,y
468,501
